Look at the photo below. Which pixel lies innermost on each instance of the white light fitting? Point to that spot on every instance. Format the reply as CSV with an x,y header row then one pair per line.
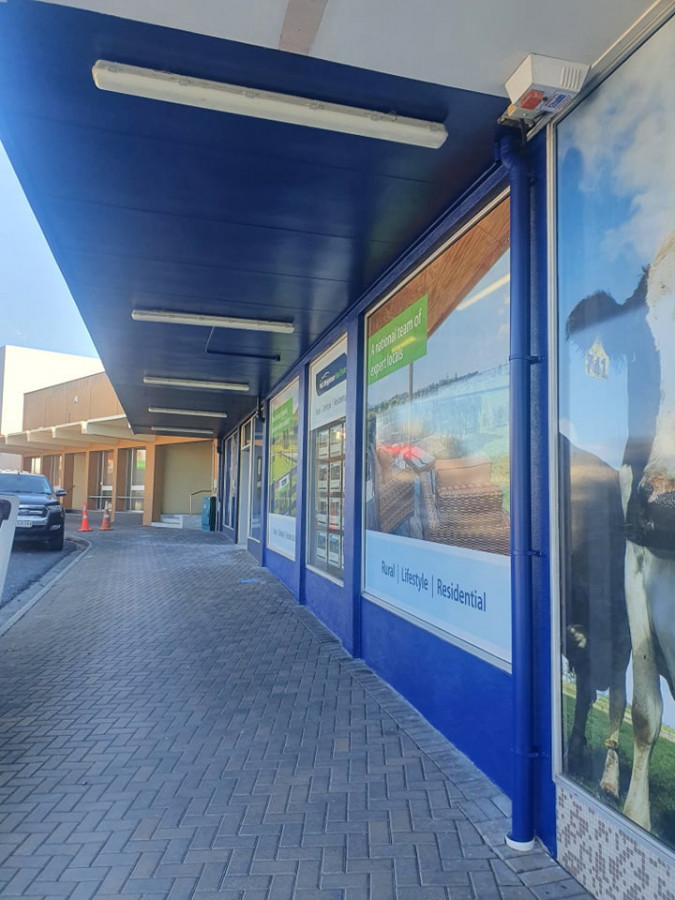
x,y
244,101
485,292
168,430
187,412
185,318
195,383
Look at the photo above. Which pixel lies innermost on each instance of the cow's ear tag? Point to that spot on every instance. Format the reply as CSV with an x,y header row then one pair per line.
x,y
597,361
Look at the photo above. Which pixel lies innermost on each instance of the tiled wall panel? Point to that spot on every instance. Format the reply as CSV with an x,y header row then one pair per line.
x,y
607,860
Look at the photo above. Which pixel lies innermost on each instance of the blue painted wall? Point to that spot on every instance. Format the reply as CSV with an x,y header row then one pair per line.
x,y
255,548
330,603
285,570
467,699
354,488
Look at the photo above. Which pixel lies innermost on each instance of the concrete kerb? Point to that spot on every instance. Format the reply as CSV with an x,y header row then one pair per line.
x,y
27,599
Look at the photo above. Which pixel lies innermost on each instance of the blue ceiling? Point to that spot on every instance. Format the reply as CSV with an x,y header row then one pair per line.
x,y
147,204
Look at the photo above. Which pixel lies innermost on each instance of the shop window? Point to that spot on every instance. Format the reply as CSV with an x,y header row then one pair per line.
x,y
283,470
437,442
255,530
244,486
105,467
326,469
616,443
230,499
135,479
51,467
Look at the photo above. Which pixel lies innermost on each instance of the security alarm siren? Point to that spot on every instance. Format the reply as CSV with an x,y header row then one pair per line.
x,y
542,84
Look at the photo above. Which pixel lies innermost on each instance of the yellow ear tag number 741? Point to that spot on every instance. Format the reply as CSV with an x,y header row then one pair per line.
x,y
597,361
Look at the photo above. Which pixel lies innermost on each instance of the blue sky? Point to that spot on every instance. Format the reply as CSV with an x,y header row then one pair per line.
x,y
454,349
616,205
37,309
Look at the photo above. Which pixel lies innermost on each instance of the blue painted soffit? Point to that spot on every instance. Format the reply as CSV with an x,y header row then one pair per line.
x,y
147,204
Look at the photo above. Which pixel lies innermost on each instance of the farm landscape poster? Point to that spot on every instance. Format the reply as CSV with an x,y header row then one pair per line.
x,y
283,470
616,327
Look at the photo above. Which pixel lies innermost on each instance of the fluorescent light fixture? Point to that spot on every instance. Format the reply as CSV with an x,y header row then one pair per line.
x,y
167,430
184,318
195,383
485,292
245,101
187,412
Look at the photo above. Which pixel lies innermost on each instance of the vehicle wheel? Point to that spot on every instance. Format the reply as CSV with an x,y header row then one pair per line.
x,y
56,543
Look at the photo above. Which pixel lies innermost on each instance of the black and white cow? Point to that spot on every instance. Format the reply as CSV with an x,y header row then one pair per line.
x,y
595,638
640,334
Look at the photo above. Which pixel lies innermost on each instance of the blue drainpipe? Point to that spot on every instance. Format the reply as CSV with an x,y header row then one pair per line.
x,y
513,155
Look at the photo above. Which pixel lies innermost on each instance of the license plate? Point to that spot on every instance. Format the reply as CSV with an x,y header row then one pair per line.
x,y
24,523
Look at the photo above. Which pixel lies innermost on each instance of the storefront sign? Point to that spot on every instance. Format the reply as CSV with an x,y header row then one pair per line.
x,y
400,342
463,592
281,534
332,374
328,386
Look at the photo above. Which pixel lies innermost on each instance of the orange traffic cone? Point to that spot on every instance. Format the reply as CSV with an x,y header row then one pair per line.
x,y
105,523
85,520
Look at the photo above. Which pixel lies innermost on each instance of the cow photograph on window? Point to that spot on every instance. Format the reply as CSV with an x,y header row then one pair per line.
x,y
616,444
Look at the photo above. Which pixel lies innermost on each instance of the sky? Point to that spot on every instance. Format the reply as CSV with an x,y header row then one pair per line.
x,y
452,349
37,308
616,206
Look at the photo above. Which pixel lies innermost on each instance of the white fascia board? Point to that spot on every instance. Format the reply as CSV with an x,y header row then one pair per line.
x,y
71,434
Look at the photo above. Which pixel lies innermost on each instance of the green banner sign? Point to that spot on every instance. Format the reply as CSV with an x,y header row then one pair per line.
x,y
399,343
282,416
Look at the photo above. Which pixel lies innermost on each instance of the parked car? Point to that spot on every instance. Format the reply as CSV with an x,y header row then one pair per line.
x,y
41,517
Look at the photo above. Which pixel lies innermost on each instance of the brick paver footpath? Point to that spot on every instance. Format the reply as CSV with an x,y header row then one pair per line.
x,y
173,725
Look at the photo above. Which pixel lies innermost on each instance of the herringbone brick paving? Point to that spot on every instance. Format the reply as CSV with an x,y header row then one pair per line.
x,y
171,728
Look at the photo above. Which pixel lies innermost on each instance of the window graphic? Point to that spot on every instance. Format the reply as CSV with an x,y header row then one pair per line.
x,y
328,404
616,259
437,442
283,470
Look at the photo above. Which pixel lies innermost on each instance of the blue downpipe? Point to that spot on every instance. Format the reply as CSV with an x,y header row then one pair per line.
x,y
513,156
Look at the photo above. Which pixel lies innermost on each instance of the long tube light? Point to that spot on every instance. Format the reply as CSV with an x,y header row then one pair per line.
x,y
185,318
485,292
171,430
245,101
187,412
195,383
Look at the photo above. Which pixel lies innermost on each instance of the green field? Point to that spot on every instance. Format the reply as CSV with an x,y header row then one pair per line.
x,y
283,497
661,769
280,463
